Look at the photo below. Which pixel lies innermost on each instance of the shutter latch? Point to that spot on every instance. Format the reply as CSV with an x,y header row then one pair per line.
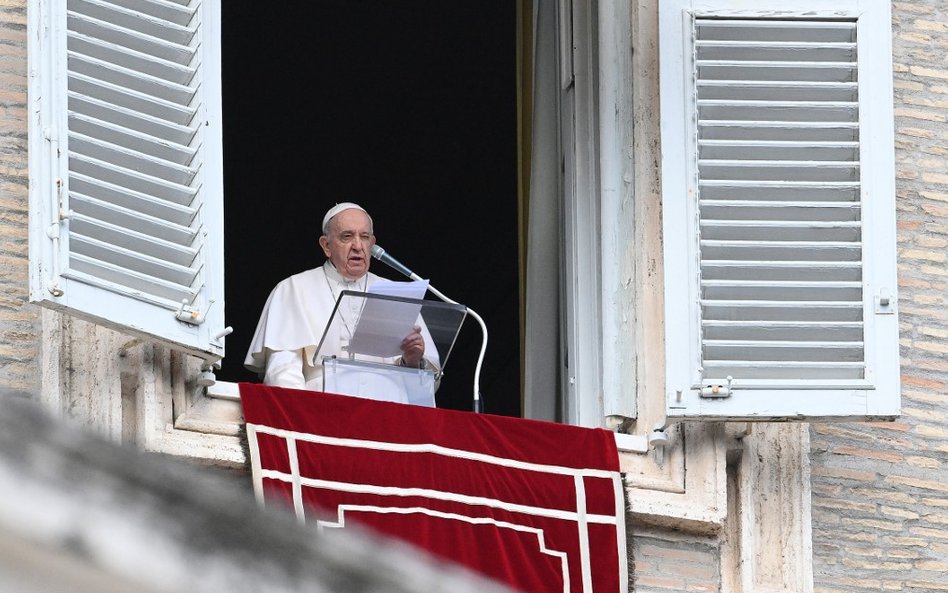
x,y
715,391
189,314
884,304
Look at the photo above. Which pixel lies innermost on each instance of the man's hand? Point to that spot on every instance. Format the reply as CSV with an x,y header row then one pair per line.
x,y
413,348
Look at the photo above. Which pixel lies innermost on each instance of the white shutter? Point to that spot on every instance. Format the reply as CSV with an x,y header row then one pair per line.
x,y
125,162
778,205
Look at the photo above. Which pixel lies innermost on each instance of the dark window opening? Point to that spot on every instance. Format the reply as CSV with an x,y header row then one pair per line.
x,y
409,109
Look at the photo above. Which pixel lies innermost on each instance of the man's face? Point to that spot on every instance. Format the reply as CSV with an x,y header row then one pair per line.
x,y
349,243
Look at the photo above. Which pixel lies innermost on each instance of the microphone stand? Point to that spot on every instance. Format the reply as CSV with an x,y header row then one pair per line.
x,y
478,407
380,254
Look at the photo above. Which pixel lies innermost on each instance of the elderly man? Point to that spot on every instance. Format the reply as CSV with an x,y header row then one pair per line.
x,y
299,307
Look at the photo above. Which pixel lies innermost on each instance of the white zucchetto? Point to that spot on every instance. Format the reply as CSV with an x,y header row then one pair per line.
x,y
336,210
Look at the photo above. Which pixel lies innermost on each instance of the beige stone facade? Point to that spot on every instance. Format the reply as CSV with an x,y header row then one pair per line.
x,y
19,346
880,505
830,507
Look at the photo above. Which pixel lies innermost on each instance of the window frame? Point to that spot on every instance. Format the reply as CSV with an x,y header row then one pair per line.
x,y
600,367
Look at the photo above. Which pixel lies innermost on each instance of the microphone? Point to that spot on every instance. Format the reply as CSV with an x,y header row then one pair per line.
x,y
380,254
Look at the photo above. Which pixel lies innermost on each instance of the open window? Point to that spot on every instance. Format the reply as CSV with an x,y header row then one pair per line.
x,y
125,166
415,110
778,210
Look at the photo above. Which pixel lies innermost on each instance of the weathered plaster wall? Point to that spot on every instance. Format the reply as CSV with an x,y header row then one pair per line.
x,y
880,491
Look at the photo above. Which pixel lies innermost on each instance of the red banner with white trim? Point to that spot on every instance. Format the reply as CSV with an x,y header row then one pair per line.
x,y
537,505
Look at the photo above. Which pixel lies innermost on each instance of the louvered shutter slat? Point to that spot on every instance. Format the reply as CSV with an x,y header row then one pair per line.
x,y
131,159
760,170
773,351
132,241
784,111
839,374
167,24
178,136
84,89
763,251
130,28
176,281
785,330
778,30
781,270
137,203
783,80
777,192
786,72
95,209
756,230
93,132
736,129
129,50
121,76
786,151
775,90
94,271
107,174
177,12
750,54
777,291
770,310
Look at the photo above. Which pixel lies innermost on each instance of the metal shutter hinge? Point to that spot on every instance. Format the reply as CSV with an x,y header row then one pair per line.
x,y
53,231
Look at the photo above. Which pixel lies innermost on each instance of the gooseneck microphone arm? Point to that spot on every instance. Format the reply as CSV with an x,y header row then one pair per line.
x,y
380,254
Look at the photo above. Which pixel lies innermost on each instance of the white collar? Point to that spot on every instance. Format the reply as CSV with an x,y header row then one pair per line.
x,y
333,274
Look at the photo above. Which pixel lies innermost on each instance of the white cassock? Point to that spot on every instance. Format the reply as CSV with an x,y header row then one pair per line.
x,y
292,324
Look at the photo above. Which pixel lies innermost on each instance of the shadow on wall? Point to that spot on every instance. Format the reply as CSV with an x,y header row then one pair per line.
x,y
81,514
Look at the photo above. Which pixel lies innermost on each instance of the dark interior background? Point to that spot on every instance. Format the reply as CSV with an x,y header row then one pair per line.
x,y
407,108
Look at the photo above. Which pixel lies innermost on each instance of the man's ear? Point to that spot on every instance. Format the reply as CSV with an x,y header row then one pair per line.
x,y
324,243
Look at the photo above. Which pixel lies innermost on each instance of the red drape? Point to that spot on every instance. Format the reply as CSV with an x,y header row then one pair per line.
x,y
537,505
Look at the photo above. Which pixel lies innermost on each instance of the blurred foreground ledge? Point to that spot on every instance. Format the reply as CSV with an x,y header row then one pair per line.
x,y
83,515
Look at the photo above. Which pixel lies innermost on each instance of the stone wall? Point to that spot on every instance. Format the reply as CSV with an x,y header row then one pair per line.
x,y
663,562
19,324
880,491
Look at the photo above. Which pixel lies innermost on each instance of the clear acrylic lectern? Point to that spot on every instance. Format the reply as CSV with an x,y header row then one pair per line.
x,y
360,348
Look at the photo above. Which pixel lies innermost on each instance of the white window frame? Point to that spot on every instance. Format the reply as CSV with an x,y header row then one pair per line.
x,y
581,315
600,383
879,395
196,327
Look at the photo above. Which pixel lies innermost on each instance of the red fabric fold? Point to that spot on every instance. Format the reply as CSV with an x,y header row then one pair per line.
x,y
537,505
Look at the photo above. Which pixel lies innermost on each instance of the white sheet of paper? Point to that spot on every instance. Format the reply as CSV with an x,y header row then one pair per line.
x,y
415,289
384,324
